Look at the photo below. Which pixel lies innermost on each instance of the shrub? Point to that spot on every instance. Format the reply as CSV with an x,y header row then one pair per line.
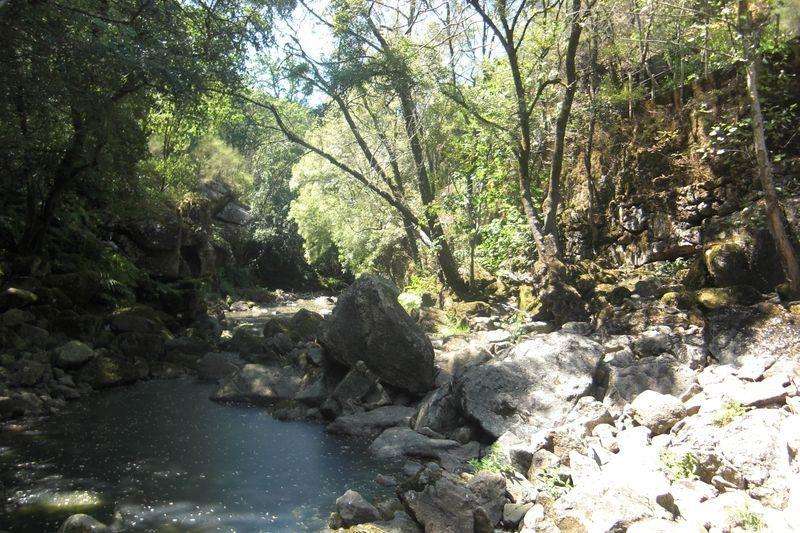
x,y
730,412
493,461
684,467
749,519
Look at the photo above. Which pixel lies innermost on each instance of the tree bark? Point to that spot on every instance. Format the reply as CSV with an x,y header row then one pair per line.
x,y
444,254
750,37
557,163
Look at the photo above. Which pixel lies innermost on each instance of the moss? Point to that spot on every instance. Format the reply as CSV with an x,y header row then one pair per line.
x,y
465,309
729,413
681,299
528,300
716,298
71,502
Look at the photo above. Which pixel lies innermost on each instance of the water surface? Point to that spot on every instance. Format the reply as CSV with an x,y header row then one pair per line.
x,y
161,454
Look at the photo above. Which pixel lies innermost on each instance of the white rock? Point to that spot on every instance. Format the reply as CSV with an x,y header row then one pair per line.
x,y
658,412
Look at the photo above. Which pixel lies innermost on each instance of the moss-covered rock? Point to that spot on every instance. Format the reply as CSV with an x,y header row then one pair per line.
x,y
82,523
467,309
528,302
727,263
275,325
81,287
680,299
106,371
304,325
63,502
718,297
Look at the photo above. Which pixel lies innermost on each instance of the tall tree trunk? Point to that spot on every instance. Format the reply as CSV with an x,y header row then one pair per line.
x,y
444,254
750,37
556,166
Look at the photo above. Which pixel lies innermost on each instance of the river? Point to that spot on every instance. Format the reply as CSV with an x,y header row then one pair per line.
x,y
161,456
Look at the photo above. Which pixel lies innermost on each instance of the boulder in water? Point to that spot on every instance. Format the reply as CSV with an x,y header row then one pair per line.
x,y
352,509
396,443
442,501
106,371
372,422
368,324
82,523
259,384
218,365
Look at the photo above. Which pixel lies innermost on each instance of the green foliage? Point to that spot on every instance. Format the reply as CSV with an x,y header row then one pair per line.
x,y
555,484
119,276
670,268
730,412
748,519
94,84
683,467
420,284
457,325
493,461
410,301
334,213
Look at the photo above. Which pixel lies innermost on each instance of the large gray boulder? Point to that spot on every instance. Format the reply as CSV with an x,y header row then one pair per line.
x,y
656,411
534,385
443,502
259,384
735,334
664,374
372,422
396,443
368,324
440,411
354,509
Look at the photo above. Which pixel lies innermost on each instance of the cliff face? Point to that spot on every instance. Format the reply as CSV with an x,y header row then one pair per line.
x,y
679,183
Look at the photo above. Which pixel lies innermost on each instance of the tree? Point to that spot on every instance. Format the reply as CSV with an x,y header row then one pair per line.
x,y
750,33
370,52
79,79
510,22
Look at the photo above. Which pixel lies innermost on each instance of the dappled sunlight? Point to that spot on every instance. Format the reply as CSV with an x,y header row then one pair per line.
x,y
162,453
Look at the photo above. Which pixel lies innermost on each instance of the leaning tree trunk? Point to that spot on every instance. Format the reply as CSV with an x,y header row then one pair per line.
x,y
774,214
444,253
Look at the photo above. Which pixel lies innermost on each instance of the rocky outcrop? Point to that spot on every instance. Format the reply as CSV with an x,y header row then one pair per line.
x,y
441,501
518,389
368,324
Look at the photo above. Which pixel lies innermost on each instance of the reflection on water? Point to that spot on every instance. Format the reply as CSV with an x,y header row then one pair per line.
x,y
160,453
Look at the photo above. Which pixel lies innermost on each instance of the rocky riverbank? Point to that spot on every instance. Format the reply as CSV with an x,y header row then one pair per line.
x,y
670,411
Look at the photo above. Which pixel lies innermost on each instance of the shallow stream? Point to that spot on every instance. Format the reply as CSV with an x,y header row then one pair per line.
x,y
162,456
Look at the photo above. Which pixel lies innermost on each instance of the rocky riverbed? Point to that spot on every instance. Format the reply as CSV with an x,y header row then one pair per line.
x,y
669,411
